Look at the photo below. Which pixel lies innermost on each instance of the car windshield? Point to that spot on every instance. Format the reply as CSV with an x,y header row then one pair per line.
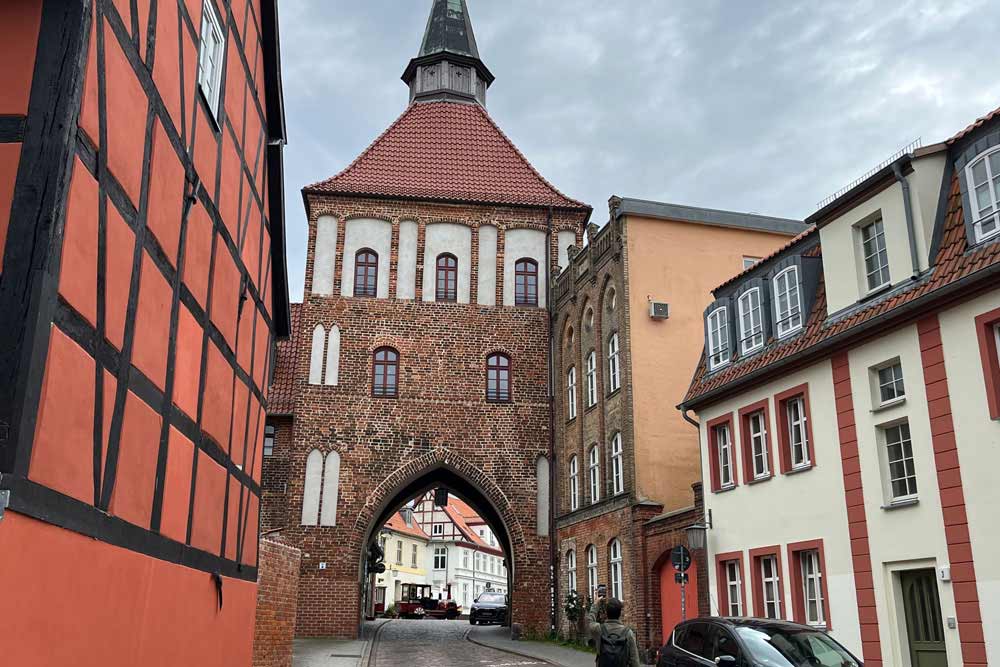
x,y
793,647
491,597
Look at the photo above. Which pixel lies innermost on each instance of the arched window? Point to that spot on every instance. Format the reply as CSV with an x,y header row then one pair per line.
x,y
316,356
592,571
574,484
571,393
595,474
447,278
333,357
611,299
498,378
615,561
588,319
331,490
591,379
526,282
617,465
311,491
570,570
614,372
983,179
385,373
366,273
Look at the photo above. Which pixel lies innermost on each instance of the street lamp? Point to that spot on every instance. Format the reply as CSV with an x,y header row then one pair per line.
x,y
697,535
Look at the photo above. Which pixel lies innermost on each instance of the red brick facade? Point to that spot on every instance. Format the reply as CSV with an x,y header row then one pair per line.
x,y
277,601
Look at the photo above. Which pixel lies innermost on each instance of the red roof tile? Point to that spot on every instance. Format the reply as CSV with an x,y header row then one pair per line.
x,y
805,234
282,397
446,151
979,122
398,524
954,261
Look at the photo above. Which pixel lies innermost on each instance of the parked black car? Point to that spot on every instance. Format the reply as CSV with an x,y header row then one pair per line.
x,y
489,607
752,642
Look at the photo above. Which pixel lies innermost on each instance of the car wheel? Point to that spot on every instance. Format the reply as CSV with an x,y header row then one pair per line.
x,y
472,621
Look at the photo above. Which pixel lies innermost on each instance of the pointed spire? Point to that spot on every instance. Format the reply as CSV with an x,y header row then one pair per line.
x,y
448,64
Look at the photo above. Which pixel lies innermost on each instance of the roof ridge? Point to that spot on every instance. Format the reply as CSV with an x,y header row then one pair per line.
x,y
774,253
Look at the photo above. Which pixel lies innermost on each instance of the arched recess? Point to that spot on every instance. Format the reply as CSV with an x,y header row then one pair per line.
x,y
542,512
333,357
331,490
316,356
311,492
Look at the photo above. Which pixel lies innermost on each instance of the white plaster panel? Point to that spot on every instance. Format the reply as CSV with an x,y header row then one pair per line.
x,y
311,491
448,237
789,508
406,263
542,501
333,356
566,239
331,488
520,243
487,288
316,355
367,233
325,258
925,191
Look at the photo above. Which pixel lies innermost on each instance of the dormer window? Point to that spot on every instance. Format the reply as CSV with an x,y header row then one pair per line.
x,y
718,338
751,321
983,176
876,257
787,302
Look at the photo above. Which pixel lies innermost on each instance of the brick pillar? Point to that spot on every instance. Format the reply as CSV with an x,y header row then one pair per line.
x,y
277,598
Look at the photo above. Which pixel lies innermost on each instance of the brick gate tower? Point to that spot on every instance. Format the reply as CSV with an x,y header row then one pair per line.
x,y
425,337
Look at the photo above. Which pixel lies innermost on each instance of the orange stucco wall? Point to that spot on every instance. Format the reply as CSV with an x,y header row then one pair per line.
x,y
677,262
158,613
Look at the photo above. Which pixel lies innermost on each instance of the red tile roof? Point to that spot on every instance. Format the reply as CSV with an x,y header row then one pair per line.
x,y
398,524
446,151
282,397
467,530
794,241
979,122
955,261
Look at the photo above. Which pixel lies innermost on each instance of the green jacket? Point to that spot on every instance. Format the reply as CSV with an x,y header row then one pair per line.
x,y
594,630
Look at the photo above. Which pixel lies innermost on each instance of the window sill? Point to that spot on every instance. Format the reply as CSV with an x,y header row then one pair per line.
x,y
571,420
724,489
761,480
872,293
901,503
889,404
799,469
589,408
613,393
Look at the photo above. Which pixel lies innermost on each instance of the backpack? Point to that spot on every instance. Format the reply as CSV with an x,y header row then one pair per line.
x,y
614,647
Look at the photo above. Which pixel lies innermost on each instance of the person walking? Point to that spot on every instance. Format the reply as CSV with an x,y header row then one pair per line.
x,y
615,643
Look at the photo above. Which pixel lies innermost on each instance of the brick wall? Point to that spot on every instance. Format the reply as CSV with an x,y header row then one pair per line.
x,y
277,599
274,480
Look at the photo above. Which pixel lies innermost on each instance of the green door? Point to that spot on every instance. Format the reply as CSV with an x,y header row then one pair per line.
x,y
923,619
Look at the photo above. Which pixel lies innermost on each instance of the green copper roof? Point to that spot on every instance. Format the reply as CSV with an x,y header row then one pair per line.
x,y
449,29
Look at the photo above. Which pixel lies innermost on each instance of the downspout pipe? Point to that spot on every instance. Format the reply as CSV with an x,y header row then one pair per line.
x,y
693,422
911,233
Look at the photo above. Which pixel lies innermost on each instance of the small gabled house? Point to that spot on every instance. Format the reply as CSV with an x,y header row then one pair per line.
x,y
849,408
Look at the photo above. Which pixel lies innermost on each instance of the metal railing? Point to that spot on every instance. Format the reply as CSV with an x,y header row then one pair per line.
x,y
908,148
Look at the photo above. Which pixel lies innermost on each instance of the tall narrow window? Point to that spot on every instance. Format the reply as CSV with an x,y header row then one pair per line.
x,y
592,571
876,257
751,322
595,474
574,484
617,465
526,282
787,302
399,552
386,373
591,379
724,452
718,338
812,587
734,588
570,570
413,555
366,273
498,378
983,177
899,452
331,490
890,383
268,440
316,355
312,488
798,438
769,584
614,372
615,561
210,58
447,278
757,426
571,393
440,558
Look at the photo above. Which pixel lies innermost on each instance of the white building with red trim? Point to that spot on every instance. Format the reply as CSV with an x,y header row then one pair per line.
x,y
849,410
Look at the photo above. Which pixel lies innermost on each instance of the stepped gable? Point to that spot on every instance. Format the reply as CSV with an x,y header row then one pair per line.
x,y
477,163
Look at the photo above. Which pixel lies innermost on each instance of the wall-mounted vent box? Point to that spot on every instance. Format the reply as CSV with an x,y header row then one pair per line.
x,y
658,310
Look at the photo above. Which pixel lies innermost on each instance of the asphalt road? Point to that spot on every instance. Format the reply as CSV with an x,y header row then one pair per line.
x,y
437,643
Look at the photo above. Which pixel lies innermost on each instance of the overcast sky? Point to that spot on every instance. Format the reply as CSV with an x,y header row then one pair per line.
x,y
747,106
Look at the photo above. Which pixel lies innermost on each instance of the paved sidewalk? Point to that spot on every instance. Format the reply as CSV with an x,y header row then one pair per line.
x,y
333,652
499,638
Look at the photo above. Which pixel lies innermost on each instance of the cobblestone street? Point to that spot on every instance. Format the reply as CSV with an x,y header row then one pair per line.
x,y
433,642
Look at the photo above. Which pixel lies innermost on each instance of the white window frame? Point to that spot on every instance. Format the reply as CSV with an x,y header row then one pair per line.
x,y
614,368
734,587
269,433
465,559
751,321
615,562
592,570
992,184
574,484
875,260
617,465
770,586
789,318
719,352
413,556
437,530
900,466
594,474
757,427
812,573
571,392
211,57
798,434
724,445
592,379
440,558
749,261
896,382
399,552
571,570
